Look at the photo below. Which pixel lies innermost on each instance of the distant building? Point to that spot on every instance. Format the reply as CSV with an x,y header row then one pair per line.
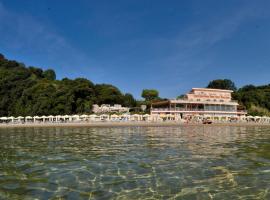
x,y
200,101
106,108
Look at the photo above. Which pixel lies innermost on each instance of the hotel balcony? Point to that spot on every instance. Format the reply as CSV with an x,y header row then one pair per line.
x,y
195,110
195,101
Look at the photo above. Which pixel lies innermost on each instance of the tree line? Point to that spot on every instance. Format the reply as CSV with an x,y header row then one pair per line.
x,y
33,91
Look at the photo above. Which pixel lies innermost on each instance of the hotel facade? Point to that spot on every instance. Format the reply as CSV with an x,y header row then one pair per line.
x,y
200,101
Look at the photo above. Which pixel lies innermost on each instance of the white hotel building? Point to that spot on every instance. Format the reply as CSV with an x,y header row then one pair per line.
x,y
200,101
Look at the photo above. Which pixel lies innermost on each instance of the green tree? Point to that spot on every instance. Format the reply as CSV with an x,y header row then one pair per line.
x,y
32,91
150,94
129,100
225,84
2,57
108,94
49,74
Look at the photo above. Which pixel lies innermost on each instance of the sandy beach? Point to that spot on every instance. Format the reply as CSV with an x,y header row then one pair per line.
x,y
125,124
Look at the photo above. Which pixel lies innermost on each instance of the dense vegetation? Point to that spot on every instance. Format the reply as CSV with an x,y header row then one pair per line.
x,y
225,84
256,99
33,91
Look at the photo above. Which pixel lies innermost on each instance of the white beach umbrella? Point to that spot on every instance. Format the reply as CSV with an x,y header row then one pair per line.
x,y
3,118
66,116
104,116
114,116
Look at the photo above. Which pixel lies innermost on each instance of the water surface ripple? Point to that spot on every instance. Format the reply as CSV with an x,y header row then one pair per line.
x,y
188,162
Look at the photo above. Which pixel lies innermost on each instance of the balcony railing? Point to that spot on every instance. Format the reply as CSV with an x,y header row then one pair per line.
x,y
204,101
195,109
176,109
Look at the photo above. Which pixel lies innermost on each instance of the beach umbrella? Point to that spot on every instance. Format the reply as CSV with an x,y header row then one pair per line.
x,y
3,118
93,117
74,117
146,117
66,116
114,116
136,117
104,116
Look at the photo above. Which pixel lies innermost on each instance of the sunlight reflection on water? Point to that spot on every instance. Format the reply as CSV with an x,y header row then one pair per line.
x,y
187,162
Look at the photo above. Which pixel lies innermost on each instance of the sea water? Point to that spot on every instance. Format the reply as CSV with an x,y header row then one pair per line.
x,y
185,162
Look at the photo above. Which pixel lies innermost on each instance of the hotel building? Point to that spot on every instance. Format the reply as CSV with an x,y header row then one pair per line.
x,y
200,101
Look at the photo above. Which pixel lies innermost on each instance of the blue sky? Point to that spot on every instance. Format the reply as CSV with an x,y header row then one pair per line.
x,y
170,46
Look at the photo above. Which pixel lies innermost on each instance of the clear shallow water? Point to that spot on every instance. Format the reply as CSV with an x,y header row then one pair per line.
x,y
194,162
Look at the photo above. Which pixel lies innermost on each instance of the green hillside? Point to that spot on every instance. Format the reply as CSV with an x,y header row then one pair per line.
x,y
33,91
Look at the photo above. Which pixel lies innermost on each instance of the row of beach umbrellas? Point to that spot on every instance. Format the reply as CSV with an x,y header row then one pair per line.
x,y
93,117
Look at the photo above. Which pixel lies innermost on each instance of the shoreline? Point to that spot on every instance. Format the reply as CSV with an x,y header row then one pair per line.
x,y
124,124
